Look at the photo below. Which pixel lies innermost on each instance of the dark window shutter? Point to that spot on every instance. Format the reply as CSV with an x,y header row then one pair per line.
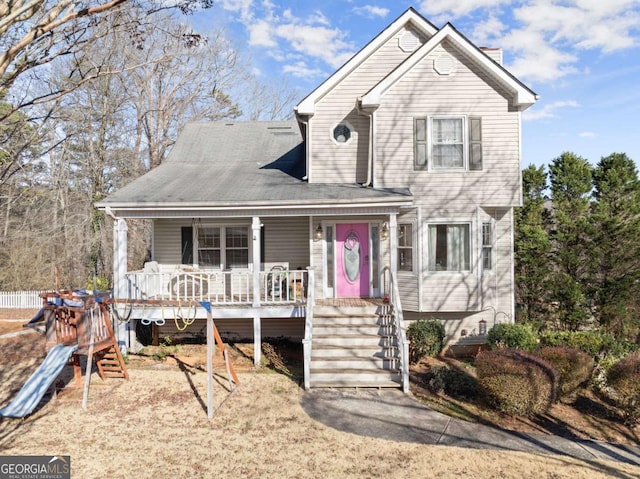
x,y
263,253
187,245
420,143
475,143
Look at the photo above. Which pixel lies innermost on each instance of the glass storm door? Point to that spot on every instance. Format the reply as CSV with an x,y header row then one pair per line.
x,y
352,260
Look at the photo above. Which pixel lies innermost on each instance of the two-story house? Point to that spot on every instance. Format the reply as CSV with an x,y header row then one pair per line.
x,y
389,198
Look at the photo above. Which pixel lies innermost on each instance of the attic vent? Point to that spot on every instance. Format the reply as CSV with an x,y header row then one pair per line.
x,y
408,41
444,64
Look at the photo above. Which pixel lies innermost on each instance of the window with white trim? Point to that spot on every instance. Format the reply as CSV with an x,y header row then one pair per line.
x,y
448,143
449,247
223,246
487,246
405,247
342,133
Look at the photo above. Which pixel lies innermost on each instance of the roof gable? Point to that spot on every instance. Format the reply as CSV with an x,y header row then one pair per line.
x,y
409,18
523,97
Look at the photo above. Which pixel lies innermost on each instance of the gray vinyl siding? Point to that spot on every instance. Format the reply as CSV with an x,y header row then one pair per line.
x,y
347,163
504,255
408,281
287,241
423,92
167,241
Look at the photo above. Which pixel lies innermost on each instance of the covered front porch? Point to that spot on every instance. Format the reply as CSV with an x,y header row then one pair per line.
x,y
259,279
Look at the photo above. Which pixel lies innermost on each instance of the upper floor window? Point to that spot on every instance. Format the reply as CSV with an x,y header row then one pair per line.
x,y
449,247
448,143
342,133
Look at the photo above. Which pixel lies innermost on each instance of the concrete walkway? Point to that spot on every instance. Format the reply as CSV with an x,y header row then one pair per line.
x,y
390,414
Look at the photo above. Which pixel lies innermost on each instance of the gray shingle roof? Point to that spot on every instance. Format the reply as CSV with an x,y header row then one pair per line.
x,y
240,164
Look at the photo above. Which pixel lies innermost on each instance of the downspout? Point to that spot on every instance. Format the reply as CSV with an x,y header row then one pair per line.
x,y
372,142
307,146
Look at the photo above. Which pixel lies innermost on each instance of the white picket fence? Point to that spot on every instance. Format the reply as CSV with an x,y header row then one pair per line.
x,y
20,299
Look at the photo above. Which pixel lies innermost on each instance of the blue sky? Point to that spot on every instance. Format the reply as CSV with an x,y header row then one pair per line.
x,y
581,56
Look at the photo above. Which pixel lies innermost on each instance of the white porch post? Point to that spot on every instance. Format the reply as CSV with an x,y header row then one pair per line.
x,y
257,340
393,243
255,228
120,290
256,258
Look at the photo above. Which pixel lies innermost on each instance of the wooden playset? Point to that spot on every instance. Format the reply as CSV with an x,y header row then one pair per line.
x,y
84,320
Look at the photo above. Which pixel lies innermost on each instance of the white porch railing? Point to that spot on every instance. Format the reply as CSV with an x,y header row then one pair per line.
x,y
392,292
21,299
219,287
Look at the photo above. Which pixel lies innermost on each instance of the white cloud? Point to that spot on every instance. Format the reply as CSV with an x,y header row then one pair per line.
x,y
535,59
548,110
584,25
302,70
485,32
284,33
243,7
546,37
319,18
371,11
261,34
587,134
446,10
320,42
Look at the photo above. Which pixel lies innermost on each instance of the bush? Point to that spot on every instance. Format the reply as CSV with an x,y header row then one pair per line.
x,y
573,366
516,336
595,343
623,379
517,382
426,338
452,382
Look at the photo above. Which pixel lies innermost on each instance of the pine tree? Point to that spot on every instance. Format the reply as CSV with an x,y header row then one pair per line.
x,y
570,177
532,248
616,218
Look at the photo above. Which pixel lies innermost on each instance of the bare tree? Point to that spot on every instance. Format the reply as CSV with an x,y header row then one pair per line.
x,y
36,32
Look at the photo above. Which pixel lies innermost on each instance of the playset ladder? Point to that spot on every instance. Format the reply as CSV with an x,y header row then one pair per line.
x,y
111,363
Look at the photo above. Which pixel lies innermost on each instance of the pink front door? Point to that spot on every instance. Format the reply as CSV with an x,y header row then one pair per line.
x,y
352,258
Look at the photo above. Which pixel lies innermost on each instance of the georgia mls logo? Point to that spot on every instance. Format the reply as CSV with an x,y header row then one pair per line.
x,y
35,467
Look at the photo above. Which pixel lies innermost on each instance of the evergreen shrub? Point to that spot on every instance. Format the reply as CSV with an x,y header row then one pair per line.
x,y
517,382
573,365
452,382
595,343
623,379
426,338
512,335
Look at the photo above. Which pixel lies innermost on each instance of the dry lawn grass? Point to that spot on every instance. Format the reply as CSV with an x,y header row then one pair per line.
x,y
155,426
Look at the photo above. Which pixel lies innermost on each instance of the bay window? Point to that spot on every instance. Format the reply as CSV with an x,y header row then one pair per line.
x,y
449,247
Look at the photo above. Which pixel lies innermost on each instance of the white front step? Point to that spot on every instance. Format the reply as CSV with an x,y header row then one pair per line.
x,y
345,362
328,351
355,378
353,347
323,329
355,340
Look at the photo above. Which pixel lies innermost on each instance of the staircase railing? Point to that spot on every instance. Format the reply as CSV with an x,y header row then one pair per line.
x,y
308,329
392,293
